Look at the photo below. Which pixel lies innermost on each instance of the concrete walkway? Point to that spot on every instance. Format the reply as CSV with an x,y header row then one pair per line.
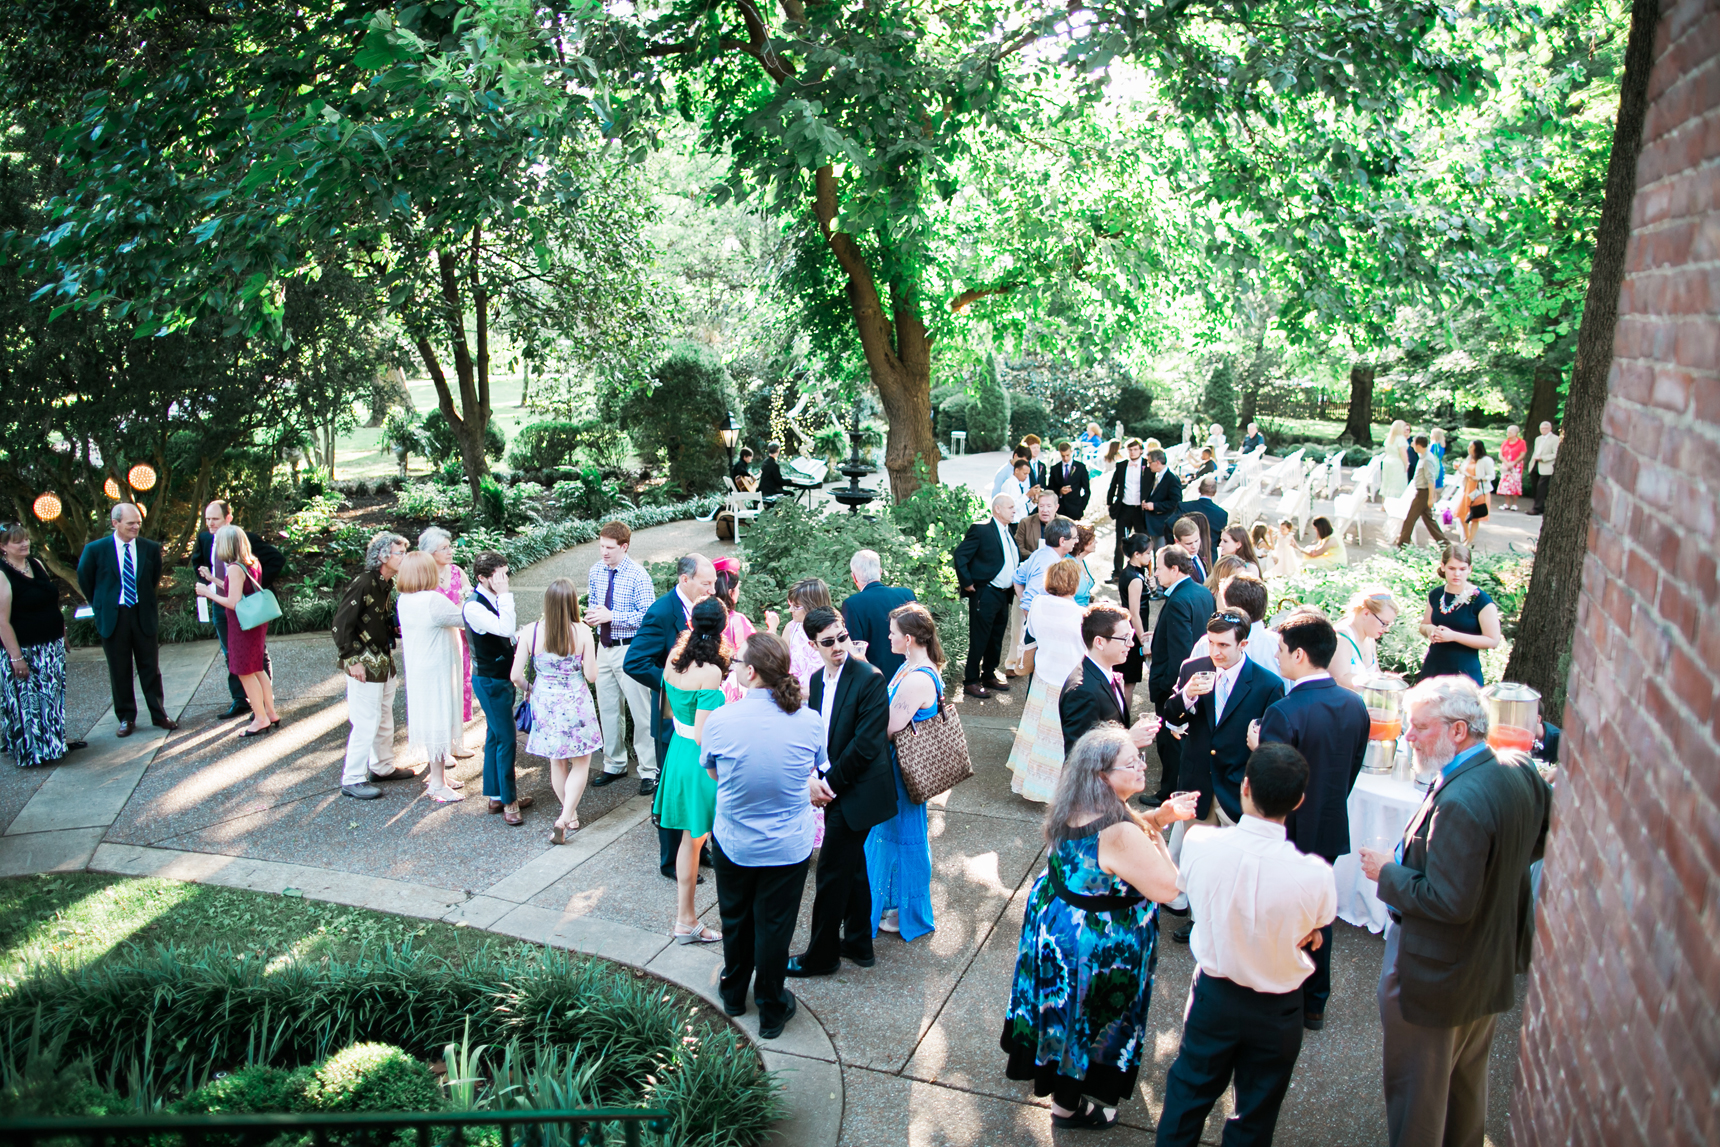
x,y
905,1052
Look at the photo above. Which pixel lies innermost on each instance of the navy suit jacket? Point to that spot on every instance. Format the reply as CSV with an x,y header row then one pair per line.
x,y
1214,757
1328,725
1215,516
858,744
98,578
1181,622
1166,497
867,615
659,629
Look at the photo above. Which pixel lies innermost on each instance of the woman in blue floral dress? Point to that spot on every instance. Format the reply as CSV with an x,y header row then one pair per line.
x,y
1077,1017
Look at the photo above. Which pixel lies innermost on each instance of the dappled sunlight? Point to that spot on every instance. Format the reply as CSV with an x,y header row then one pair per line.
x,y
88,928
283,748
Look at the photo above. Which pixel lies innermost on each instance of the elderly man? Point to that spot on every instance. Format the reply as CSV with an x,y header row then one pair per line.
x,y
216,515
117,575
364,635
1461,926
985,564
1541,461
867,610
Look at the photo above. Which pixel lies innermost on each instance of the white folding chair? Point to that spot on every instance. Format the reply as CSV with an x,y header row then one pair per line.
x,y
745,505
1346,514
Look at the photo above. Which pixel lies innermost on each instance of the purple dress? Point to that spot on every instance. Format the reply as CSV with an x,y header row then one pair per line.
x,y
455,591
247,649
564,721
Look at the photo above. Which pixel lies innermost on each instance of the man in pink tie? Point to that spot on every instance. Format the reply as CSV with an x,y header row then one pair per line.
x,y
1095,692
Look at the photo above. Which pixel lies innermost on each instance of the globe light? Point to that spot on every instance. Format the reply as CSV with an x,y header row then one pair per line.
x,y
112,490
47,507
141,477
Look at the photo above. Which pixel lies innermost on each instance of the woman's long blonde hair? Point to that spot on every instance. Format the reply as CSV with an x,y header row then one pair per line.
x,y
231,545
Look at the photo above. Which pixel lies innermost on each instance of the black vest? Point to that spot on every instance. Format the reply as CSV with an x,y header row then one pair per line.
x,y
492,656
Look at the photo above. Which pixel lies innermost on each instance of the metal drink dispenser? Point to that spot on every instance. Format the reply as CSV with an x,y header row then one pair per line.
x,y
1513,715
1384,698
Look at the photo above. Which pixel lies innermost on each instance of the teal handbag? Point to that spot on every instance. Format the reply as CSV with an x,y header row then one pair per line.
x,y
258,608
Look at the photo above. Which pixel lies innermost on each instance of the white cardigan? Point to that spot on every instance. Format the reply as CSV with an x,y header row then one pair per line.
x,y
429,661
1055,623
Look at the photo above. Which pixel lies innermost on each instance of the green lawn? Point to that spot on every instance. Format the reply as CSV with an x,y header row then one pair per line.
x,y
78,918
358,454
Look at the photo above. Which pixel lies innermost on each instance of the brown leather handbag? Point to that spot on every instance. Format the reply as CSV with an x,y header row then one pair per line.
x,y
933,754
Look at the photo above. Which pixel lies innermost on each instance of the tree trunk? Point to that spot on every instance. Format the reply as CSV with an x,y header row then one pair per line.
x,y
469,422
525,382
1253,378
1544,402
1539,658
1358,427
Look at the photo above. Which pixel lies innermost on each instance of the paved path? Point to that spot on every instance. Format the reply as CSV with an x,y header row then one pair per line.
x,y
905,1052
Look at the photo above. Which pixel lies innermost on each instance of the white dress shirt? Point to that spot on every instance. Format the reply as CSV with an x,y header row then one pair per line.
x,y
119,549
1254,896
1132,482
1006,573
829,704
1017,491
503,623
1322,675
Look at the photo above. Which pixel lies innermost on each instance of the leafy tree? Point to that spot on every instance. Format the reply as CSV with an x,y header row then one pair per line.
x,y
1218,400
988,410
678,412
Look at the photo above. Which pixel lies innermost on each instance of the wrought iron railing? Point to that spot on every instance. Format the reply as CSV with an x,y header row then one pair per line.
x,y
590,1127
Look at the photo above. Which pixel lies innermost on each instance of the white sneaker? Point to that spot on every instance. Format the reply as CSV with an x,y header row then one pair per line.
x,y
889,922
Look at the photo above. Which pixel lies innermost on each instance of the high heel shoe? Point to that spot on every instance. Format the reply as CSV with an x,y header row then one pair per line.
x,y
699,935
256,732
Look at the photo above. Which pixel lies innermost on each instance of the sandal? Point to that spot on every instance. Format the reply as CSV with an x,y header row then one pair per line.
x,y
1090,1118
443,795
558,835
700,935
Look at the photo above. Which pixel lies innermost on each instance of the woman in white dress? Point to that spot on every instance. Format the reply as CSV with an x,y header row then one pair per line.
x,y
453,583
1036,758
1394,471
429,656
1370,613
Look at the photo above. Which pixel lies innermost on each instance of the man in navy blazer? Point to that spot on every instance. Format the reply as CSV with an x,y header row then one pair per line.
x,y
1163,505
659,629
867,611
117,575
1216,517
1181,621
1328,725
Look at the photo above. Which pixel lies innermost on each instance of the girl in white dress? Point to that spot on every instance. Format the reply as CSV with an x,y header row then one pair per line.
x,y
429,657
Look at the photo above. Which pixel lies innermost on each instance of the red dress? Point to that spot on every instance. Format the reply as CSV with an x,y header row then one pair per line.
x,y
246,648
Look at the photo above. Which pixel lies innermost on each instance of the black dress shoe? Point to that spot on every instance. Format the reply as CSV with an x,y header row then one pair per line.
x,y
776,1030
606,779
1313,1021
739,1009
74,746
797,972
1182,934
859,961
236,709
647,787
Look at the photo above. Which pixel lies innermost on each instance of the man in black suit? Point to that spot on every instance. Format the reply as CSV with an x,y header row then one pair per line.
x,y
1216,518
859,791
216,515
659,629
1219,696
1182,619
1037,471
867,610
1130,482
1328,725
985,564
1070,483
1163,505
117,575
1461,922
770,482
1094,693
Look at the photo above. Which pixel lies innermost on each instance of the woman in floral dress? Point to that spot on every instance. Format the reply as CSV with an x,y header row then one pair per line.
x,y
564,720
1077,1020
1511,454
451,583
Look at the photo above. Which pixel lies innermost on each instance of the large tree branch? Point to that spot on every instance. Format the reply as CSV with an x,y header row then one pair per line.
x,y
877,336
973,295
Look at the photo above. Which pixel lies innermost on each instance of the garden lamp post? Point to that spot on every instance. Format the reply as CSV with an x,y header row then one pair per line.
x,y
730,432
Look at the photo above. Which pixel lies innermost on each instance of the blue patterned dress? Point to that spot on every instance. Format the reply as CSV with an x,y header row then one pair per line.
x,y
1083,981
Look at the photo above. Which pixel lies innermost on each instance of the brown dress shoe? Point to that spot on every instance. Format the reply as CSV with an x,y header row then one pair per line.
x,y
975,689
524,802
167,723
513,818
125,728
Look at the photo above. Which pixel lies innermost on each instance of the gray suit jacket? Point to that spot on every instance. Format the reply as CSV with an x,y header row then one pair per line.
x,y
1463,891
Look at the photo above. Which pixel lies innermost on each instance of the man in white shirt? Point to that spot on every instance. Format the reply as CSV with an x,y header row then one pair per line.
x,y
1007,471
985,564
1018,486
491,622
1541,461
1258,903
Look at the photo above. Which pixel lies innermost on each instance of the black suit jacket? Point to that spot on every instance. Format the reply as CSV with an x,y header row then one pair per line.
x,y
1328,725
1073,504
1215,517
1037,473
1088,699
867,614
1181,622
980,555
1114,495
1166,498
273,561
98,578
1462,891
858,744
1215,755
770,477
658,631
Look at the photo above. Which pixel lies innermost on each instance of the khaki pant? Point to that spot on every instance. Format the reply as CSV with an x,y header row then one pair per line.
x,y
615,688
1421,508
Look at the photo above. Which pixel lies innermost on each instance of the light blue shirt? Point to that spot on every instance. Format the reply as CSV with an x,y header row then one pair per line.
x,y
1444,775
764,759
1031,573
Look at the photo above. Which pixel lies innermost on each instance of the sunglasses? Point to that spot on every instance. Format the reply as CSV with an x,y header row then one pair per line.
x,y
830,642
1231,616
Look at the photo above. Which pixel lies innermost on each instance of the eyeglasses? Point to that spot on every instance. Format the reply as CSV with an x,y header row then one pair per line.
x,y
1115,637
1138,767
830,642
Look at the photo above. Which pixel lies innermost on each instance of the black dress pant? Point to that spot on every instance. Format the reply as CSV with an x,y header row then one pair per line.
x,y
988,621
1170,763
236,689
759,907
842,902
1317,988
1543,482
126,646
1232,1030
1130,520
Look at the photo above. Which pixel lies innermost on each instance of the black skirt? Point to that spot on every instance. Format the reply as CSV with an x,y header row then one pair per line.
x,y
1105,1085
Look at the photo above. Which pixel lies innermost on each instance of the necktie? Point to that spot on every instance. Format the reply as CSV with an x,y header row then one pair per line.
x,y
1221,698
127,579
1117,692
608,603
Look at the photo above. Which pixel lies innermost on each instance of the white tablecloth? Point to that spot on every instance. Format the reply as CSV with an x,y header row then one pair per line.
x,y
1380,809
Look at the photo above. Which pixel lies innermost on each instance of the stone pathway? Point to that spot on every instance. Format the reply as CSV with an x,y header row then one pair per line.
x,y
905,1052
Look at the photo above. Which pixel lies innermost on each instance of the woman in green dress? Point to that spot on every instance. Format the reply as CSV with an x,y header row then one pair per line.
x,y
686,794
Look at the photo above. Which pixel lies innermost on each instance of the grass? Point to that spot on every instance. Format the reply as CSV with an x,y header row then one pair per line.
x,y
76,919
359,454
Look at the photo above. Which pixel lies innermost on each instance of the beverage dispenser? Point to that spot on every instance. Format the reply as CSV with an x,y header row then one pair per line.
x,y
1513,716
1384,698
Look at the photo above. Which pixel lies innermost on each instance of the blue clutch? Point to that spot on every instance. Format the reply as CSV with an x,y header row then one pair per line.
x,y
523,716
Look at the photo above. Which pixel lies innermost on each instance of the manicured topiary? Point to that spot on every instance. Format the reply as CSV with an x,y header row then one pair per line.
x,y
988,412
373,1077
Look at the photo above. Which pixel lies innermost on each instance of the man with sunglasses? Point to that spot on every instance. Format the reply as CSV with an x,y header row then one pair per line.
x,y
860,788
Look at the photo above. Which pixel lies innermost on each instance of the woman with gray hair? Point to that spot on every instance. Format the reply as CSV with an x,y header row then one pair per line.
x,y
33,686
1077,1019
364,640
451,584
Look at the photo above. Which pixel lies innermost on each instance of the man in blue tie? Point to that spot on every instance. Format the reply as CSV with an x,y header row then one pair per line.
x,y
117,575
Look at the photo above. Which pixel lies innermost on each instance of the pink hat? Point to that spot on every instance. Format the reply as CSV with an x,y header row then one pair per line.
x,y
727,565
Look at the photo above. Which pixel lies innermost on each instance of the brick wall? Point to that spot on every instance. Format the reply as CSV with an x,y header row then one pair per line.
x,y
1621,1037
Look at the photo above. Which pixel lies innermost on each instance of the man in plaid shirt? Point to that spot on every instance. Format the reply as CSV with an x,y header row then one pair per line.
x,y
619,592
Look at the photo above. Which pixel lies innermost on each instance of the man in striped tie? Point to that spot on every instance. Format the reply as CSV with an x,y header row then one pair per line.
x,y
117,575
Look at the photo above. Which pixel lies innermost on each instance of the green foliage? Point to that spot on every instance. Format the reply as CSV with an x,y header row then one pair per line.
x,y
501,508
1134,409
589,496
373,1077
402,435
952,415
1218,401
1027,415
548,445
937,513
431,502
678,414
440,445
255,1089
988,411
37,1082
319,516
